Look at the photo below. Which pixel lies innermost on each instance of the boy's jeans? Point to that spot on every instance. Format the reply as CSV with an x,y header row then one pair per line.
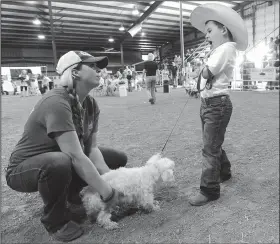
x,y
53,175
215,114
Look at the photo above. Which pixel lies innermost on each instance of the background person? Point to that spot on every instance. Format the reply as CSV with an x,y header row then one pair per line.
x,y
24,81
150,71
174,69
129,78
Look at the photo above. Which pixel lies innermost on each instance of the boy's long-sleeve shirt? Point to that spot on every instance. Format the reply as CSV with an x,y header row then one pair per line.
x,y
221,63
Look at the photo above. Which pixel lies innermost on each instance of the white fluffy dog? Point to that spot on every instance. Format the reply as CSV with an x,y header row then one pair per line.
x,y
137,185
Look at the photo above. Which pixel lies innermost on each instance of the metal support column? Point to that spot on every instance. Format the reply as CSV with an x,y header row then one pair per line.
x,y
242,12
254,23
160,53
53,34
182,42
122,62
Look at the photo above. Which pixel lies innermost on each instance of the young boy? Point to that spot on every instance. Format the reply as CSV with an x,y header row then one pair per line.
x,y
226,32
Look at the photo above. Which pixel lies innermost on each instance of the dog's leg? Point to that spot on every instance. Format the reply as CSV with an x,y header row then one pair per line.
x,y
104,220
148,204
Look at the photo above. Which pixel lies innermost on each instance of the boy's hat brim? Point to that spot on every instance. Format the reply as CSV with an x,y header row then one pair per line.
x,y
224,15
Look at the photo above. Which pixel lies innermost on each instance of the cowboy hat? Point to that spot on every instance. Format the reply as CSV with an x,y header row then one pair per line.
x,y
224,15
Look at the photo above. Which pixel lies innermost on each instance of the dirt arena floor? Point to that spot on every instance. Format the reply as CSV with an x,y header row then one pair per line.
x,y
248,210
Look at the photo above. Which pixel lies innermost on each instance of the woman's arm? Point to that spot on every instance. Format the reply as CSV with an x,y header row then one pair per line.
x,y
93,152
70,145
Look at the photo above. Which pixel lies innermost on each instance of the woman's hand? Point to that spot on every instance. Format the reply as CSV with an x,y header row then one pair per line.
x,y
113,200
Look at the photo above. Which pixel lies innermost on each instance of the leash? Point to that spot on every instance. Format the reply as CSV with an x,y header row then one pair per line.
x,y
174,127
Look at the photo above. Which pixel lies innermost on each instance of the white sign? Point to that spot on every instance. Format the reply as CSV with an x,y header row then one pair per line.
x,y
265,74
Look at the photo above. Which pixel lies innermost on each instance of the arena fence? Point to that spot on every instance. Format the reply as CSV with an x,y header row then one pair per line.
x,y
247,77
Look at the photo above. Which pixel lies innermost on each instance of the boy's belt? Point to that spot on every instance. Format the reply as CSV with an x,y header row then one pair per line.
x,y
214,100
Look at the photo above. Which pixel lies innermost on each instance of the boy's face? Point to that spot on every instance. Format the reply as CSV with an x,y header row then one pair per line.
x,y
214,34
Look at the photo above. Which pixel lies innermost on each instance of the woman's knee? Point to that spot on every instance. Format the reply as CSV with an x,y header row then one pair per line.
x,y
113,158
59,166
122,159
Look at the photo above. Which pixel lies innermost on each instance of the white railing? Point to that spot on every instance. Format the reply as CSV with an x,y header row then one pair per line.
x,y
247,77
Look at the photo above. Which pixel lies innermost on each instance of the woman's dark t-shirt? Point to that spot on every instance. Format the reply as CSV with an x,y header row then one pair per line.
x,y
52,114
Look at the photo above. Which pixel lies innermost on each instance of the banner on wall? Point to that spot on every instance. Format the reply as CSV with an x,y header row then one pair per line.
x,y
265,74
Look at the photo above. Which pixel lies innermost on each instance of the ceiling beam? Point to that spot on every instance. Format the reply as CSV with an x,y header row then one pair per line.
x,y
78,42
194,4
241,5
144,16
99,24
80,39
65,48
8,32
81,42
102,14
153,33
175,9
70,45
90,4
103,25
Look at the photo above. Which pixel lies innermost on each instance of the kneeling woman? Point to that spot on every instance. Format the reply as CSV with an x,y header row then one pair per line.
x,y
58,154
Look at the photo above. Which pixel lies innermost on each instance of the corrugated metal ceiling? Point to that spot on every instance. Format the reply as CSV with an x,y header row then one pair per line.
x,y
89,24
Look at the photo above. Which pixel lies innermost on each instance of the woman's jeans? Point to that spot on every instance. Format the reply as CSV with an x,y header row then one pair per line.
x,y
53,175
215,114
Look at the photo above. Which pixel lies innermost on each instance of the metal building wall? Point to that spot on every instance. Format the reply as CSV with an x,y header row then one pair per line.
x,y
267,20
265,23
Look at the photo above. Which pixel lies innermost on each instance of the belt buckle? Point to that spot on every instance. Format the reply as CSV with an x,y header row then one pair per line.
x,y
203,99
207,100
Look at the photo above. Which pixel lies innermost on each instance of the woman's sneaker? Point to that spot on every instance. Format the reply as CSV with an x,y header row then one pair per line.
x,y
70,231
77,213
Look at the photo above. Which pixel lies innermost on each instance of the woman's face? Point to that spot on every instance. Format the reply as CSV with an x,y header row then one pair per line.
x,y
214,34
90,74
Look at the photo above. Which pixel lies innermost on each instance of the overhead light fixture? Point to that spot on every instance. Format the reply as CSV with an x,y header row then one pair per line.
x,y
36,21
121,28
111,39
41,36
135,11
142,33
134,30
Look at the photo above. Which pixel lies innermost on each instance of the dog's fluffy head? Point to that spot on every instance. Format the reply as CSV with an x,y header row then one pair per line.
x,y
165,167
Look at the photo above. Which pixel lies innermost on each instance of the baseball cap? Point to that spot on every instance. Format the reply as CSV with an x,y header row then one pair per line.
x,y
74,57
